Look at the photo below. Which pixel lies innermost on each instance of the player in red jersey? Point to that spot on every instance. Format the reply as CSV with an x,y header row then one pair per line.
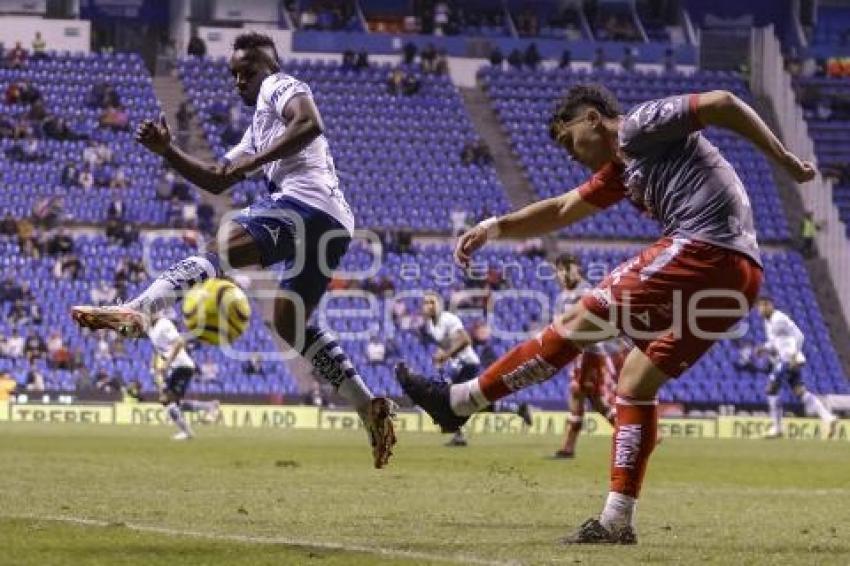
x,y
674,299
595,371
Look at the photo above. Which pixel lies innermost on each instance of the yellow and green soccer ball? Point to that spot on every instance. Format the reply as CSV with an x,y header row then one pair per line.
x,y
216,311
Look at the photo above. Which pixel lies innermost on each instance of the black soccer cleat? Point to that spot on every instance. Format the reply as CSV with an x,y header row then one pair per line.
x,y
592,532
432,396
524,412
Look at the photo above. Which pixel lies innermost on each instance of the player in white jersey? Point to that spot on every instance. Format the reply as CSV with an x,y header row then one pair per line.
x,y
784,345
596,370
304,222
455,353
174,369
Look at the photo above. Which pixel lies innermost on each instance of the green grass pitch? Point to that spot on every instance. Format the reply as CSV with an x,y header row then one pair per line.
x,y
111,495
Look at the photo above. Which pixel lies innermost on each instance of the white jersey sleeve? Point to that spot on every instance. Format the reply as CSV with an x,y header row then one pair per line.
x,y
282,88
244,148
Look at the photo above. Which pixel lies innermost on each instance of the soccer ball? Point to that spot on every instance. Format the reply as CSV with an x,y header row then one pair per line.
x,y
216,311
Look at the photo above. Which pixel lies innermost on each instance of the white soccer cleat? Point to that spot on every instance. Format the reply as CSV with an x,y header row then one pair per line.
x,y
128,322
773,433
181,436
211,416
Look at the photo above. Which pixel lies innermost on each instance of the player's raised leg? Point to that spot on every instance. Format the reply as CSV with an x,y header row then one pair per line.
x,y
530,363
132,319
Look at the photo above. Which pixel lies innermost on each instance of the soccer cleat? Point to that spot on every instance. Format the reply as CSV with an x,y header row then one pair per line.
x,y
180,436
773,433
432,396
524,412
564,454
211,416
128,322
592,532
379,425
457,440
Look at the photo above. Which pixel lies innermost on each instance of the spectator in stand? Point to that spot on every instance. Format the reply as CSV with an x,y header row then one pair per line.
x,y
57,128
28,239
34,346
14,347
428,58
458,220
253,366
119,179
102,177
8,386
16,58
309,19
39,47
37,111
395,80
669,60
35,381
197,47
441,65
349,60
9,226
60,243
102,350
116,118
599,59
86,179
515,59
362,61
68,266
184,123
103,294
629,59
566,59
496,57
107,383
808,232
10,291
409,52
527,23
376,351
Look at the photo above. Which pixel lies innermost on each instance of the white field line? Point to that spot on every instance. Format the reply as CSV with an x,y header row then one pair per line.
x,y
272,541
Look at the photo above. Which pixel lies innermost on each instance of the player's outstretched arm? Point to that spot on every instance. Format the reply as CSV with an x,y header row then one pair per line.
x,y
533,220
724,109
211,177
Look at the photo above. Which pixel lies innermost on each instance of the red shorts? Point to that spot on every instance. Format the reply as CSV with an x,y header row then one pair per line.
x,y
661,299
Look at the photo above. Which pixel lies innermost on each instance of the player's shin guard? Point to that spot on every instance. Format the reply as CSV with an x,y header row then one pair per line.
x,y
175,280
633,442
332,364
529,363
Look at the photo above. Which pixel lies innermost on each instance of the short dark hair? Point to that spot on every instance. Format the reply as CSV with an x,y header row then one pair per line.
x,y
254,40
565,259
589,94
765,298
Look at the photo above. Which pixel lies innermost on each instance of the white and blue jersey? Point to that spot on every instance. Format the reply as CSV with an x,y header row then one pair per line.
x,y
305,209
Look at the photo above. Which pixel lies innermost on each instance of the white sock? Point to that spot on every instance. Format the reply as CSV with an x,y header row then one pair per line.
x,y
619,511
466,398
809,399
775,411
175,280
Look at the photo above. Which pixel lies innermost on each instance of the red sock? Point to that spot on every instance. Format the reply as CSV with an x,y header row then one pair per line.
x,y
529,363
634,439
575,425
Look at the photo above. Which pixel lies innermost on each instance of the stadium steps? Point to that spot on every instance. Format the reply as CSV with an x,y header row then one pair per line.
x,y
825,293
518,188
170,93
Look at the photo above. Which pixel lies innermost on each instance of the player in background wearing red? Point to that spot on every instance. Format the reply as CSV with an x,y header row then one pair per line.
x,y
674,299
595,371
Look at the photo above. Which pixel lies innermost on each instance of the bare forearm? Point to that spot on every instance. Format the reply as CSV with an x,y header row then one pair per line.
x,y
459,345
724,109
207,176
297,136
545,216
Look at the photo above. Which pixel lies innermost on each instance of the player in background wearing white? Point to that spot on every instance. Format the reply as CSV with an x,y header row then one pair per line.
x,y
595,371
784,345
175,371
304,222
455,353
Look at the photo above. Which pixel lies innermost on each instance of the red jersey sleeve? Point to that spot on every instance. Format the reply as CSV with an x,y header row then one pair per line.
x,y
605,187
